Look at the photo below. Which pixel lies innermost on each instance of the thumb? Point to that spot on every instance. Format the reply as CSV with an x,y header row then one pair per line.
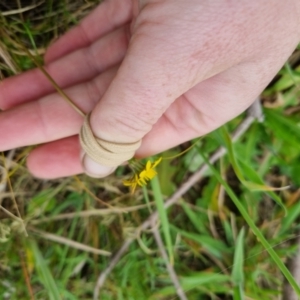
x,y
133,103
152,75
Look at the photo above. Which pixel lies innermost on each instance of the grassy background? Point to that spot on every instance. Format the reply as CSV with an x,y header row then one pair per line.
x,y
215,253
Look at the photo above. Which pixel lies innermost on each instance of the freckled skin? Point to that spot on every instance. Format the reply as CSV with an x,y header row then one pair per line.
x,y
164,71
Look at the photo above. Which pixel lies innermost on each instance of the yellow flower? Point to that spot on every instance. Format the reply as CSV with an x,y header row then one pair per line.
x,y
144,176
132,183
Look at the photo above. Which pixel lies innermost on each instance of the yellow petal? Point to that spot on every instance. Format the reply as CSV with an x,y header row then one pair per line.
x,y
142,181
148,165
127,182
143,175
151,174
156,162
133,187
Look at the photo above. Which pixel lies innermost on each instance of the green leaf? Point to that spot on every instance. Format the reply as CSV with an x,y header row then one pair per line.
x,y
252,186
213,282
259,185
238,293
166,171
197,218
213,246
291,216
238,261
288,79
196,279
44,273
283,127
41,203
254,136
193,160
163,217
256,230
237,274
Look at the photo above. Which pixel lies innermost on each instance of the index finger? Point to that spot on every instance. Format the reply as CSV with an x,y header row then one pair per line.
x,y
108,16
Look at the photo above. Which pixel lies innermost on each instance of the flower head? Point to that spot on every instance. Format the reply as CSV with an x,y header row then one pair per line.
x,y
143,174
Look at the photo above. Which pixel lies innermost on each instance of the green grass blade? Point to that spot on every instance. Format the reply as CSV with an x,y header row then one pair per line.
x,y
290,218
251,186
215,247
196,218
237,274
145,193
44,273
255,230
287,79
238,293
159,201
256,178
238,261
31,38
284,128
213,282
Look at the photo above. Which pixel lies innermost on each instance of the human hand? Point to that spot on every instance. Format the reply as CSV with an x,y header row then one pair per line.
x,y
189,68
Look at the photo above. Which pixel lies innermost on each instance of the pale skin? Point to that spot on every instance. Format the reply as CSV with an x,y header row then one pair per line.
x,y
162,71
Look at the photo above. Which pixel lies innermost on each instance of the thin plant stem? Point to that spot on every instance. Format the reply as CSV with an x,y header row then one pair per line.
x,y
162,212
52,81
169,266
145,193
19,217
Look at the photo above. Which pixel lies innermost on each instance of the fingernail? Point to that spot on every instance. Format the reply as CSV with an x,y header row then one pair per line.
x,y
93,169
